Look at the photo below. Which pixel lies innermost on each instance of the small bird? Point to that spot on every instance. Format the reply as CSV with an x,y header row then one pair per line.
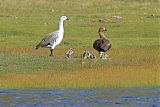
x,y
102,44
86,54
54,38
69,53
92,56
103,55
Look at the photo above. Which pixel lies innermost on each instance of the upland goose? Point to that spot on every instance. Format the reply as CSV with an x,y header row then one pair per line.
x,y
86,54
69,53
103,55
54,38
102,44
93,56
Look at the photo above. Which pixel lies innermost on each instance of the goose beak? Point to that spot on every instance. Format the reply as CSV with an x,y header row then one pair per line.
x,y
67,19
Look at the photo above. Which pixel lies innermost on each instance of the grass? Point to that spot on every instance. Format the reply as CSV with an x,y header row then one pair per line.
x,y
135,39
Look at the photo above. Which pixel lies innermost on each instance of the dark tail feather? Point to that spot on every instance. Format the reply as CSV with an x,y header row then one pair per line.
x,y
37,47
109,46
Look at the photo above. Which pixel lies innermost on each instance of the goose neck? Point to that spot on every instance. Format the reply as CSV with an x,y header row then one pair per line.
x,y
101,34
60,27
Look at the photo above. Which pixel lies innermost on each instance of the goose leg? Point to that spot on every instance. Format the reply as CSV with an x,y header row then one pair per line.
x,y
51,52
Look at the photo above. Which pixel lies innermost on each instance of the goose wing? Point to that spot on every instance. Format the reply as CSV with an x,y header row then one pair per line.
x,y
105,44
101,44
48,40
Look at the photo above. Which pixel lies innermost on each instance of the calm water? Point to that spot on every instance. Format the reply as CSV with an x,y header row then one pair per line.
x,y
128,97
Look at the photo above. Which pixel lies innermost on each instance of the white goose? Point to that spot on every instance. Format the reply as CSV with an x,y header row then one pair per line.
x,y
54,38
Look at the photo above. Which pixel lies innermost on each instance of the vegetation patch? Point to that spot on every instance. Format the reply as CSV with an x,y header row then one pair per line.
x,y
134,57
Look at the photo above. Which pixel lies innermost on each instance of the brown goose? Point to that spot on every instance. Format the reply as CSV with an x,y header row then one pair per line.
x,y
102,44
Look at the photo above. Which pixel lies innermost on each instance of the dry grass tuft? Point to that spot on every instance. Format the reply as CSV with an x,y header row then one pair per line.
x,y
130,76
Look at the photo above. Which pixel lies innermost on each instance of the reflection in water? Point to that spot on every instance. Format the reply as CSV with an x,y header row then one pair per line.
x,y
128,97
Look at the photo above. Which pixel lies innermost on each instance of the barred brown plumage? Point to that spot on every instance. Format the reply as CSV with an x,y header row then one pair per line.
x,y
102,44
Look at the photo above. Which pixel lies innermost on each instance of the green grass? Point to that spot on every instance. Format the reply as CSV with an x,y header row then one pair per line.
x,y
135,39
30,62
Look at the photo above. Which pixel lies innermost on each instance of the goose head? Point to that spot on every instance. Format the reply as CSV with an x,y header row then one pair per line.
x,y
101,32
102,29
64,18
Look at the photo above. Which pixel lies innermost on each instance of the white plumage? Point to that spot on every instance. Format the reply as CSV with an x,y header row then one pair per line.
x,y
54,38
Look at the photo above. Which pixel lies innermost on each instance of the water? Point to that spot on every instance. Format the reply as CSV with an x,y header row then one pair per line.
x,y
124,97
